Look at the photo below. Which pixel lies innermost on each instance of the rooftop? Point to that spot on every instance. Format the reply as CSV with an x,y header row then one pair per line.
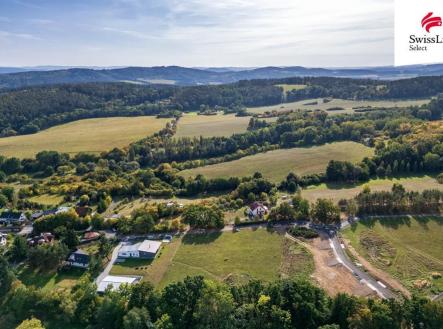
x,y
115,282
145,246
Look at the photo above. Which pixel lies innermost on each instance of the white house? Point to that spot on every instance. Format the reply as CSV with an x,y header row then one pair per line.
x,y
146,249
257,209
114,282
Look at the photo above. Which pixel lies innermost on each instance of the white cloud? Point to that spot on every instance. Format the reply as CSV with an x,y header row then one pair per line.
x,y
7,34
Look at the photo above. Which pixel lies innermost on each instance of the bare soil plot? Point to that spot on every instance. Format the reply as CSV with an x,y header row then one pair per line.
x,y
330,275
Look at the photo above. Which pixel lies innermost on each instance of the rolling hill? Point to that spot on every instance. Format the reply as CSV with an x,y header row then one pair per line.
x,y
16,78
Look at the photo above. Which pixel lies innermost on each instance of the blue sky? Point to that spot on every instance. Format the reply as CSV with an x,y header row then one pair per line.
x,y
196,32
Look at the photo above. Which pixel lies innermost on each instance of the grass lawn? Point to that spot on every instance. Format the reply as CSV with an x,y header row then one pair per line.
x,y
275,165
409,248
347,105
343,191
49,280
193,125
236,256
47,199
151,270
89,135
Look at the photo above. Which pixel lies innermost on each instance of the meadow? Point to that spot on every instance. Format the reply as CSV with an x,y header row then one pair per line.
x,y
408,248
89,135
234,257
275,165
193,125
336,192
347,105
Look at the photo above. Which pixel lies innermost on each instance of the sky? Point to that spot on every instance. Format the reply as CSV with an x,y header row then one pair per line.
x,y
197,33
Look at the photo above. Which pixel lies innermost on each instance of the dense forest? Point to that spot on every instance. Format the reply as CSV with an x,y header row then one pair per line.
x,y
204,304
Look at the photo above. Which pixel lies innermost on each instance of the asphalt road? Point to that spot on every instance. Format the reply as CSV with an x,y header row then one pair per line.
x,y
382,290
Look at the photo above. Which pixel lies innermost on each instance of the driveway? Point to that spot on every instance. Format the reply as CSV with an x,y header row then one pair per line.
x,y
108,267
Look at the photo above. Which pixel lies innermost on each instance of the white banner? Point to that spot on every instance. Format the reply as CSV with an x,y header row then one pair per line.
x,y
418,32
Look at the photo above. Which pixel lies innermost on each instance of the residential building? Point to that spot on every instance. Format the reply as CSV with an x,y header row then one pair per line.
x,y
12,217
114,282
79,258
146,250
43,238
257,209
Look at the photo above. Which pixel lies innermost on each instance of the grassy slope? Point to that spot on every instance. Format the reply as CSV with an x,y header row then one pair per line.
x,y
340,191
193,125
275,165
251,253
346,104
408,248
89,135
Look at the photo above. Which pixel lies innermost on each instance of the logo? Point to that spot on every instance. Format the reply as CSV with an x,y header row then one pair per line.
x,y
428,22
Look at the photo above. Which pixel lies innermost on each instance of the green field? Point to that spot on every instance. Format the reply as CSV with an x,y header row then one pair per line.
x,y
234,257
193,125
49,280
89,135
347,105
408,248
336,192
275,165
287,87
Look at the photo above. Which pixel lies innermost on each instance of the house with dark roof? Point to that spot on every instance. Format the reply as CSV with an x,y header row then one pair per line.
x,y
257,209
12,217
79,258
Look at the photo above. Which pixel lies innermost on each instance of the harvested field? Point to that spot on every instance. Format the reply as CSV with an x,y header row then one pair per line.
x,y
193,125
89,135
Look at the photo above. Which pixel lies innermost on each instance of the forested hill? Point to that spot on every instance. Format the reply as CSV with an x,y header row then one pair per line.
x,y
190,76
31,109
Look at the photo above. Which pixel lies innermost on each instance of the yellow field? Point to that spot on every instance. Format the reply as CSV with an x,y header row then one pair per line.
x,y
348,105
89,135
275,165
193,125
